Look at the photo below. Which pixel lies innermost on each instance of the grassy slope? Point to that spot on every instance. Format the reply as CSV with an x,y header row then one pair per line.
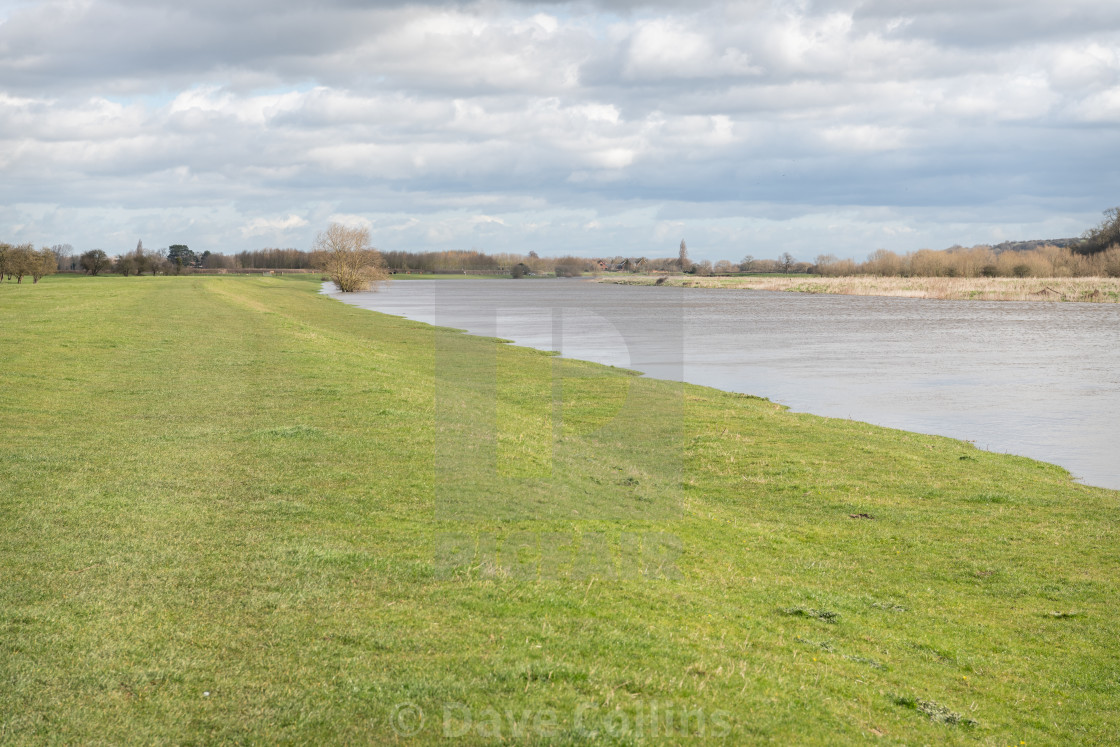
x,y
227,485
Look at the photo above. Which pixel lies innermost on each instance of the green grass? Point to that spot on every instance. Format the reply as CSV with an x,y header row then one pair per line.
x,y
235,511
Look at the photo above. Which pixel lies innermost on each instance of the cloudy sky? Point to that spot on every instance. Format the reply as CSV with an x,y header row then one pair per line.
x,y
606,127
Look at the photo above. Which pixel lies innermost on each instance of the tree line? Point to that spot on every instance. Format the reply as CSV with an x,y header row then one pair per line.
x,y
180,259
1046,261
24,260
17,262
1096,253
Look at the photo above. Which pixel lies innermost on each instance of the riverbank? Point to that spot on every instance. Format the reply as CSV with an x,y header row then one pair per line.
x,y
230,514
1089,290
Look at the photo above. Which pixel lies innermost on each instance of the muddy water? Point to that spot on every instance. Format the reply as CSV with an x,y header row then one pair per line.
x,y
1037,379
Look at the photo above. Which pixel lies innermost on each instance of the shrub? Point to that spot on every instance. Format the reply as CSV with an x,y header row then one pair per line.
x,y
345,255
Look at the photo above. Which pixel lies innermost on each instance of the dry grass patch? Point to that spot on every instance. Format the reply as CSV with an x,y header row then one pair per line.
x,y
1085,289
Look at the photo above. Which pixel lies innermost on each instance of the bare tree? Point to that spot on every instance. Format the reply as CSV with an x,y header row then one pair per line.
x,y
786,261
825,263
156,260
345,255
95,261
1106,235
682,259
21,261
748,263
42,262
135,262
570,267
126,265
63,255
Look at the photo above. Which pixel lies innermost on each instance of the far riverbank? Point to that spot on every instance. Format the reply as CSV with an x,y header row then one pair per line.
x,y
1085,290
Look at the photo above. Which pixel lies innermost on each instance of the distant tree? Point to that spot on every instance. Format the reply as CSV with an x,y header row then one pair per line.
x,y
534,255
95,261
22,260
5,256
747,264
125,265
1102,237
786,262
140,260
42,262
831,265
345,255
63,255
883,262
155,261
682,258
217,261
569,267
137,262
519,270
180,256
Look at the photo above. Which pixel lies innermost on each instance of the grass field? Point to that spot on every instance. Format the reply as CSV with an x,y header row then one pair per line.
x,y
235,511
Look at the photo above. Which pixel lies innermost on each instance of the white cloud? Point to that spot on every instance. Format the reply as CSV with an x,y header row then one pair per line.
x,y
498,123
350,219
483,219
666,48
271,226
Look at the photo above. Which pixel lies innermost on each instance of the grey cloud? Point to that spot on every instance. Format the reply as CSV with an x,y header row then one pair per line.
x,y
995,23
247,114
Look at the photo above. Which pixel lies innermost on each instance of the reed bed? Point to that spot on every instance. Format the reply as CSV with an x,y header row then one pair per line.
x,y
1080,289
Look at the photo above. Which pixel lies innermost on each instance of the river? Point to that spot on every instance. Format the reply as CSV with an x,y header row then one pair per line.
x,y
1037,379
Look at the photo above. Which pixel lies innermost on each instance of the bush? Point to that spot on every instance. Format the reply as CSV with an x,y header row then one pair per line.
x,y
569,267
345,255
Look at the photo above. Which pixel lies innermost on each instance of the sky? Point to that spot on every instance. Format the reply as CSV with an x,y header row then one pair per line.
x,y
591,128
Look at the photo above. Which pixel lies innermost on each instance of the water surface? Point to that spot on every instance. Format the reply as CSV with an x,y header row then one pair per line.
x,y
1031,378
